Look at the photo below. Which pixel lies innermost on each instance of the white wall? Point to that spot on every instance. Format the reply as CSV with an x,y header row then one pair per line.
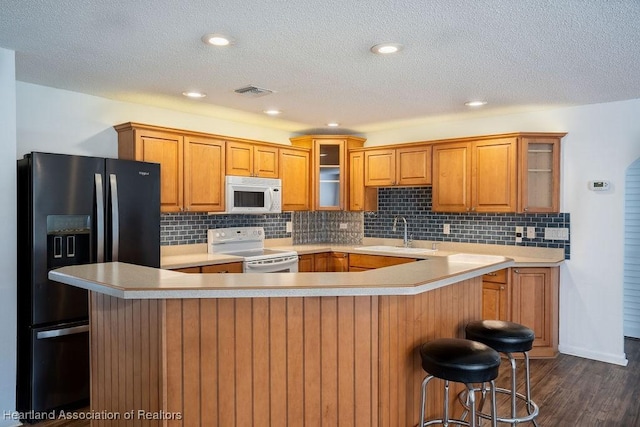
x,y
602,141
8,233
60,121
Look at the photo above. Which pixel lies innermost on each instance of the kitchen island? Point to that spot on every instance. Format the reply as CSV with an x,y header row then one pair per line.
x,y
281,349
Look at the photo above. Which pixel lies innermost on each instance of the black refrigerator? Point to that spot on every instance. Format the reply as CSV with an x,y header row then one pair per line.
x,y
73,210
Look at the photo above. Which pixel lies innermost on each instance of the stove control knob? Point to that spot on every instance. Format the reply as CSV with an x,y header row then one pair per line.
x,y
222,234
217,234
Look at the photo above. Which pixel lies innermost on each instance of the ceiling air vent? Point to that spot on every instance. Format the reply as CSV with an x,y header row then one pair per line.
x,y
253,91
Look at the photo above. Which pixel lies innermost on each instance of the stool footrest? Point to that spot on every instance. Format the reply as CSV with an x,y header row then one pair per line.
x,y
441,422
531,406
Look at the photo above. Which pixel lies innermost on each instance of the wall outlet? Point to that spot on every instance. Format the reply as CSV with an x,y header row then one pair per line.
x,y
289,227
446,229
519,232
531,232
343,226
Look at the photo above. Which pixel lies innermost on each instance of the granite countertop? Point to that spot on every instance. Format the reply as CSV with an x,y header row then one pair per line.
x,y
130,281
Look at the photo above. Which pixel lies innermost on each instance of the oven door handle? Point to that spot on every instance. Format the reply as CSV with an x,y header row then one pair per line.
x,y
259,266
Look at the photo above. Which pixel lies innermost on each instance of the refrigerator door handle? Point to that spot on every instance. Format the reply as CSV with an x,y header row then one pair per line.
x,y
115,221
99,218
62,332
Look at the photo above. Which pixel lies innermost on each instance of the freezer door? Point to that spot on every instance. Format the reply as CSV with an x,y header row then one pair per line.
x,y
133,212
60,366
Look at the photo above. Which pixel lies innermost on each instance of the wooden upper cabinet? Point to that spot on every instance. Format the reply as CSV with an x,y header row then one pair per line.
x,y
413,165
156,146
476,176
361,198
380,167
204,172
539,174
398,166
246,159
452,177
296,179
494,178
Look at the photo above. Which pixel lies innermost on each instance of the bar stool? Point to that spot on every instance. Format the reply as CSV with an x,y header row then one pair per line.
x,y
507,338
463,361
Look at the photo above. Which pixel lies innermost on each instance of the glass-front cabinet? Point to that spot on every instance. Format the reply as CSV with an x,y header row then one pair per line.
x,y
539,174
330,174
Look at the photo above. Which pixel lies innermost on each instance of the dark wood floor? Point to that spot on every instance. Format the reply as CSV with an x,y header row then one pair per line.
x,y
570,392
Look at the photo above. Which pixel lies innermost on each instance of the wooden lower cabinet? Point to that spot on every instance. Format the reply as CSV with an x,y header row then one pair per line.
x,y
338,262
306,263
362,262
534,303
495,295
188,270
321,262
230,267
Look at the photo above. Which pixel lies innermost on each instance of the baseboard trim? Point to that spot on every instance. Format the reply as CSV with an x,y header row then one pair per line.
x,y
616,359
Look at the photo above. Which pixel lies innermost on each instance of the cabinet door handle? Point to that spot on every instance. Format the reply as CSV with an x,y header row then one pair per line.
x,y
502,288
516,271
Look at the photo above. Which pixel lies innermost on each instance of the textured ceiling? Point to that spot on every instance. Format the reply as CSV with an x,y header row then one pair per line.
x,y
314,54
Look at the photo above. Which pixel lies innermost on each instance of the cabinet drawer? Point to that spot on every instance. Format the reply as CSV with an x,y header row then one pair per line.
x,y
188,270
232,267
360,261
499,276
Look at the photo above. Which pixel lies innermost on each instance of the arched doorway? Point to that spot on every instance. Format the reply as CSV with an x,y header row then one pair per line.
x,y
632,252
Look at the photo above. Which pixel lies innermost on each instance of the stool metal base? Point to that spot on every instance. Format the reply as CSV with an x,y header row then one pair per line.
x,y
445,421
531,406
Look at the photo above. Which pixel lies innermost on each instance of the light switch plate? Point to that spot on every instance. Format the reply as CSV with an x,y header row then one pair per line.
x,y
446,229
343,226
531,232
289,227
556,234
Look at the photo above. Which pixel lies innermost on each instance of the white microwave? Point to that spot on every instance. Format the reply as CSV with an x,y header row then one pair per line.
x,y
250,195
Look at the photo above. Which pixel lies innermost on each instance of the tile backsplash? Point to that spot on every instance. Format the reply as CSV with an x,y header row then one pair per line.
x,y
188,228
337,227
414,204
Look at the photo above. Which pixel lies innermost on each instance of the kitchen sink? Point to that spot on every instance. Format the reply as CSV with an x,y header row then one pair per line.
x,y
396,249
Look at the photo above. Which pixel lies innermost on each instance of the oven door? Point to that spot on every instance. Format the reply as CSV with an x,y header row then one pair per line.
x,y
285,264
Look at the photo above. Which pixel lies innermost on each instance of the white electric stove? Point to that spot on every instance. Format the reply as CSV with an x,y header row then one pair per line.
x,y
248,243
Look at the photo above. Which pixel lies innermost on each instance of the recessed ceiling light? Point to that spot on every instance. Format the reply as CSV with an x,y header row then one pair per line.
x,y
272,112
475,103
194,94
386,48
333,124
217,39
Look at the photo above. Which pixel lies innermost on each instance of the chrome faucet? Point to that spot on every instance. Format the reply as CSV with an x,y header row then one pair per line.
x,y
405,242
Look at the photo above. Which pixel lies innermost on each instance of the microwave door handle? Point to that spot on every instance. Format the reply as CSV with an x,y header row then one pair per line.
x,y
272,197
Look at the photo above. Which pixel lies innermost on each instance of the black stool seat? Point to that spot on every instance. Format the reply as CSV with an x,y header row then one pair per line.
x,y
505,337
460,360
